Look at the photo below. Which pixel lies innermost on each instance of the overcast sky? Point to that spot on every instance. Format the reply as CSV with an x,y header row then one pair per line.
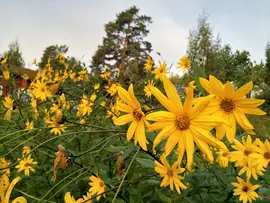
x,y
79,24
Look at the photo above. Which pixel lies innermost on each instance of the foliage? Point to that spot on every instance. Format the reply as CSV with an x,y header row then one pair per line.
x,y
14,55
124,48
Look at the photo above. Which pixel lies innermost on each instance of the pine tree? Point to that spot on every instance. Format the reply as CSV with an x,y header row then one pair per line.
x,y
51,52
14,54
124,46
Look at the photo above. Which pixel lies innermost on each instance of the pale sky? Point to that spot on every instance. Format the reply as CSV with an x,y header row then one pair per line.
x,y
79,24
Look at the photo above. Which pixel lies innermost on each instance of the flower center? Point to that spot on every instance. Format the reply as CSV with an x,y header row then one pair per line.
x,y
246,152
225,154
182,123
101,184
170,173
137,115
266,155
227,105
42,89
245,189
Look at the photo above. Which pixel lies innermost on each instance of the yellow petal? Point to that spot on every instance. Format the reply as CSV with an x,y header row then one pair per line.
x,y
206,85
140,135
124,95
10,188
168,104
132,96
172,94
122,120
245,89
131,130
189,145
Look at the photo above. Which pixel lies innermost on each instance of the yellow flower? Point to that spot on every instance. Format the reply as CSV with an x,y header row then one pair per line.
x,y
29,125
8,103
34,61
56,128
96,86
34,106
105,75
4,164
25,76
6,74
262,155
26,150
147,88
223,158
85,107
149,64
41,91
72,76
245,190
5,190
184,63
231,105
4,61
103,103
97,186
113,89
170,174
161,71
134,115
184,124
93,97
26,165
243,158
54,88
68,198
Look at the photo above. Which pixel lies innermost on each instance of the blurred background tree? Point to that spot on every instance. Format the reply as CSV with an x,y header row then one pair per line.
x,y
14,54
124,46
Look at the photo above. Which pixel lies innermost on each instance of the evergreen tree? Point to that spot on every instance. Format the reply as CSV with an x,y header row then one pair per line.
x,y
51,52
14,54
124,46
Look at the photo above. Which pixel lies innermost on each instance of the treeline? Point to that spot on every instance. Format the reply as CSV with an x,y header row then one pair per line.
x,y
124,50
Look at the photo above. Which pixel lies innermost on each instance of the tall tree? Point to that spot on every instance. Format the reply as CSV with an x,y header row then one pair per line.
x,y
124,46
14,54
203,46
51,52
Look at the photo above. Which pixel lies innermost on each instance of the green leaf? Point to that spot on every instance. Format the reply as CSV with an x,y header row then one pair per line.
x,y
198,72
116,149
145,163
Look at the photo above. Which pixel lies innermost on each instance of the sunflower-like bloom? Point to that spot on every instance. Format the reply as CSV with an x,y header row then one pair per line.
x,y
132,107
26,165
242,157
29,125
96,86
160,71
8,103
262,155
184,125
6,189
231,105
184,63
6,74
223,158
85,107
41,91
245,190
170,174
147,90
97,186
149,64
